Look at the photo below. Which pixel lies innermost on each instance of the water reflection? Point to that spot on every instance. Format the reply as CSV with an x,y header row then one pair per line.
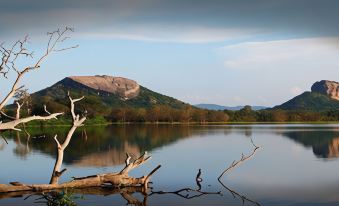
x,y
325,144
282,173
100,146
106,146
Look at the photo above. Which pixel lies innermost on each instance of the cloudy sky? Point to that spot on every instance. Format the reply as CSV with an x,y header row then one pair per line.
x,y
229,52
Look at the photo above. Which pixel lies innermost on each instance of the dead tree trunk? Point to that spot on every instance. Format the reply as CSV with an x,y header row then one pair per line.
x,y
61,147
119,179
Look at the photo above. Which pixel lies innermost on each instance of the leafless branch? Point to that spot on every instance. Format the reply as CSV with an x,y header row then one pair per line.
x,y
9,57
12,124
6,115
232,166
242,159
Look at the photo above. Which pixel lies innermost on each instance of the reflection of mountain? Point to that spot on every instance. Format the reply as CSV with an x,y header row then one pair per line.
x,y
108,158
106,146
325,144
333,149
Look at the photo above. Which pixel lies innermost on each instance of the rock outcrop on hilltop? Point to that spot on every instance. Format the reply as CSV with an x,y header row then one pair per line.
x,y
103,94
324,96
329,88
125,88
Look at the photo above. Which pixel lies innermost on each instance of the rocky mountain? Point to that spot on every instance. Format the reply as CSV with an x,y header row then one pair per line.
x,y
324,95
329,88
125,88
220,107
102,94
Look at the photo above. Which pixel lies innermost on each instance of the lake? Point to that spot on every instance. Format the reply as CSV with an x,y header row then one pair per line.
x,y
295,164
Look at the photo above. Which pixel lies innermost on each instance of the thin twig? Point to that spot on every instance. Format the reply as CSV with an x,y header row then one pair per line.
x,y
232,166
237,163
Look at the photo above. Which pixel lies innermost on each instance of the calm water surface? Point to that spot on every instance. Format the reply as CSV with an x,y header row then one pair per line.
x,y
296,164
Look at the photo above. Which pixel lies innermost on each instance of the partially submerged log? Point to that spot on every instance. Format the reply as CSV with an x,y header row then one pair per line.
x,y
119,179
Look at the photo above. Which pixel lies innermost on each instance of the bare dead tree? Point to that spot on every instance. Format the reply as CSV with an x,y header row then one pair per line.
x,y
9,63
233,165
77,122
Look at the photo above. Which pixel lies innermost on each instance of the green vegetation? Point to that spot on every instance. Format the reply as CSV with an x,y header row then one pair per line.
x,y
103,107
277,115
151,107
63,198
96,103
310,101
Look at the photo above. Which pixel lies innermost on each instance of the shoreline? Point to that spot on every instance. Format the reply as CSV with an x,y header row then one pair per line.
x,y
188,124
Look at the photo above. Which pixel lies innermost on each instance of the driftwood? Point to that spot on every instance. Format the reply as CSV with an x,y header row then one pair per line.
x,y
232,166
119,179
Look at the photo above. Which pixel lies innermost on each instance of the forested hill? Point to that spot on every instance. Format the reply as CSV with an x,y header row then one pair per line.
x,y
102,94
324,96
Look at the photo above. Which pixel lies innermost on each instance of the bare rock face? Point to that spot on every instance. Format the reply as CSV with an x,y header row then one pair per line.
x,y
125,88
330,88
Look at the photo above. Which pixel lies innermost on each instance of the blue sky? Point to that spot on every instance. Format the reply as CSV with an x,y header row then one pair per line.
x,y
257,52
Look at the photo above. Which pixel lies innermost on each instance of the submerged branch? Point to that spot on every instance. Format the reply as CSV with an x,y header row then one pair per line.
x,y
232,166
242,159
189,193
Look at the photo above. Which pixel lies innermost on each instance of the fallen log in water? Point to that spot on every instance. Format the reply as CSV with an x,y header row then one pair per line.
x,y
119,179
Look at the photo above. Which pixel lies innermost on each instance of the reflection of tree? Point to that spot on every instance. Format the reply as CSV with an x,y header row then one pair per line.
x,y
3,143
334,148
325,144
22,150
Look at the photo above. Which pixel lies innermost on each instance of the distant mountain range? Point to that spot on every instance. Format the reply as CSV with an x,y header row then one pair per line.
x,y
220,107
324,96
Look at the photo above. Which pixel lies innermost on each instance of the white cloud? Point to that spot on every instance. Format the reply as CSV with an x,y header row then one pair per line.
x,y
283,54
171,33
